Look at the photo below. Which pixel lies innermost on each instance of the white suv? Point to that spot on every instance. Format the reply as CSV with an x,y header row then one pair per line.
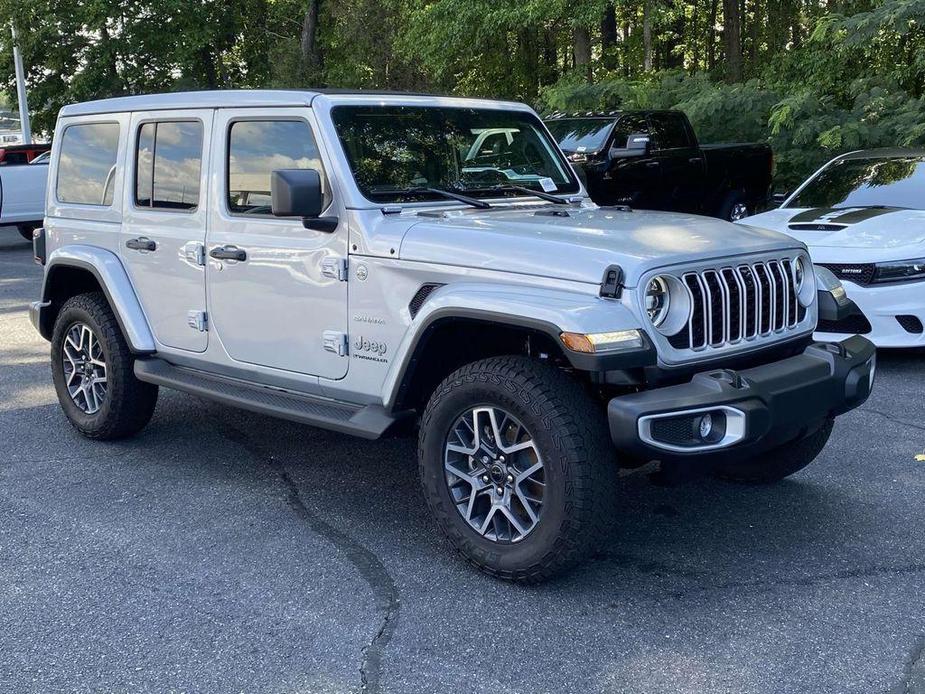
x,y
371,262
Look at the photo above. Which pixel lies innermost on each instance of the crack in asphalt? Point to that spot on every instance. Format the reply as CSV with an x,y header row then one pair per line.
x,y
644,566
367,564
913,681
895,420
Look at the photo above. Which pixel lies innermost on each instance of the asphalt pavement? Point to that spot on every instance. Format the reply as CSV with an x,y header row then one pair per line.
x,y
220,551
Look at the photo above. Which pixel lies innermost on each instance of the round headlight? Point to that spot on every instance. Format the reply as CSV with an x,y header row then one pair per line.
x,y
658,300
803,282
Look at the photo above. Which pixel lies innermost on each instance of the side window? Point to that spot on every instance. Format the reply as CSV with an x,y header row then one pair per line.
x,y
87,163
629,125
168,160
256,149
669,131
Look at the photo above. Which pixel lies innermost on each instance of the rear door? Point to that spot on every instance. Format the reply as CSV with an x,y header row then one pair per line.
x,y
164,222
680,162
284,305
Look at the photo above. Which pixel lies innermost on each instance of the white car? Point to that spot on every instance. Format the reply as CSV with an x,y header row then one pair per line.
x,y
862,216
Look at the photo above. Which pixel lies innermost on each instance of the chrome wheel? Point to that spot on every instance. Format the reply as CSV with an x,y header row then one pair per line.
x,y
739,211
84,368
495,474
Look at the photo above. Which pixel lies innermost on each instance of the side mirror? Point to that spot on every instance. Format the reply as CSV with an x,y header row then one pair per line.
x,y
637,145
298,193
778,198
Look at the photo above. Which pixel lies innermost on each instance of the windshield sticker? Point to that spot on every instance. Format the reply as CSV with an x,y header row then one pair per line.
x,y
548,185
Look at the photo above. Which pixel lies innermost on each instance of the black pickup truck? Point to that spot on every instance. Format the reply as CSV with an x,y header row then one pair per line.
x,y
652,160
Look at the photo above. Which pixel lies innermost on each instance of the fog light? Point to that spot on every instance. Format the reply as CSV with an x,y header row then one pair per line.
x,y
706,426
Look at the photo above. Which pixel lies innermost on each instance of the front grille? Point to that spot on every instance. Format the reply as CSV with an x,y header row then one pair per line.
x,y
856,324
859,273
732,304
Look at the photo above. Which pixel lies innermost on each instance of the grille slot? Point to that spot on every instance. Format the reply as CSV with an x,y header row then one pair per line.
x,y
733,304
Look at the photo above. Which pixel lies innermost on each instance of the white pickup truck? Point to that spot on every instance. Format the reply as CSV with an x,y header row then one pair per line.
x,y
22,195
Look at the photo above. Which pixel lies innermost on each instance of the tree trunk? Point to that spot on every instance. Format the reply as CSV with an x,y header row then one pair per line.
x,y
732,39
647,35
609,37
581,50
711,35
310,51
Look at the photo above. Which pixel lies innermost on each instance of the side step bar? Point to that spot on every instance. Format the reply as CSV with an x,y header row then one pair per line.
x,y
369,421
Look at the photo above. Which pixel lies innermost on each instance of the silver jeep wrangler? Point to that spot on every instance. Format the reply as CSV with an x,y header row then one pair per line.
x,y
369,263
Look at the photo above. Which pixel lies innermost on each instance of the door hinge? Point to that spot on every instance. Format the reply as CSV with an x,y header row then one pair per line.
x,y
196,253
334,341
199,320
335,268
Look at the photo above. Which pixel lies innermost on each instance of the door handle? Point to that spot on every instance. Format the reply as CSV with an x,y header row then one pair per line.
x,y
652,164
694,160
141,244
228,253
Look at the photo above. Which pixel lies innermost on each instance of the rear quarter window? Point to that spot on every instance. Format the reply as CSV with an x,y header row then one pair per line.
x,y
87,163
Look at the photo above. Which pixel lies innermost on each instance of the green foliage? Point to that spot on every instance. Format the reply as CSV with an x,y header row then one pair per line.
x,y
822,76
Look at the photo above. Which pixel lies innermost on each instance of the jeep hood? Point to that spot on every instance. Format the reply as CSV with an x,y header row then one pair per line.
x,y
875,228
543,241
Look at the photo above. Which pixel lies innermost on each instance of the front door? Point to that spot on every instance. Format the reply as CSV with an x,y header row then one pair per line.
x,y
633,180
680,162
164,224
281,304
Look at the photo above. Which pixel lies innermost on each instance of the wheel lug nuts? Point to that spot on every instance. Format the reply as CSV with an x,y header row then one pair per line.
x,y
510,478
484,478
500,490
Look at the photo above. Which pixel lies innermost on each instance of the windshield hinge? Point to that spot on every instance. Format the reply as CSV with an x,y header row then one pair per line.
x,y
612,284
335,268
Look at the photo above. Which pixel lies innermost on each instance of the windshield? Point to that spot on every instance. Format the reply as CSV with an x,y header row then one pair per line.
x,y
581,134
395,152
891,182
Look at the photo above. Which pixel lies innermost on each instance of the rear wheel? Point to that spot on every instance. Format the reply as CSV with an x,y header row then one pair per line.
x,y
781,462
25,230
734,207
93,371
517,467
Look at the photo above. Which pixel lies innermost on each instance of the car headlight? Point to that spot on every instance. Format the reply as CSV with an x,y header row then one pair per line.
x,y
804,283
900,271
658,300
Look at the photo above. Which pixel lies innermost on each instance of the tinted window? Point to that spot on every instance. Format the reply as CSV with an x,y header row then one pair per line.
x,y
86,166
256,149
15,158
669,131
395,153
894,182
629,125
168,162
581,134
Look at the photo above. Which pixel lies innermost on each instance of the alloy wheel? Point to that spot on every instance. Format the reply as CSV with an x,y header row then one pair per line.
x,y
84,368
495,474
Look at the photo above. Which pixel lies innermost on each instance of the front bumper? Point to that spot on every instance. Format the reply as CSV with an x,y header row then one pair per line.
x,y
760,408
880,305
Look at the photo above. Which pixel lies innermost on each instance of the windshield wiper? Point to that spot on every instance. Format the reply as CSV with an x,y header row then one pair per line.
x,y
529,191
480,204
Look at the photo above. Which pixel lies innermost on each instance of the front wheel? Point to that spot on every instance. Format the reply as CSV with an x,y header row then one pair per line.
x,y
781,462
93,371
517,467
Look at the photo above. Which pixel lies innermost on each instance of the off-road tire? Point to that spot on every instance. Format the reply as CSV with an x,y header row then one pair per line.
x,y
129,403
25,230
572,435
781,462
